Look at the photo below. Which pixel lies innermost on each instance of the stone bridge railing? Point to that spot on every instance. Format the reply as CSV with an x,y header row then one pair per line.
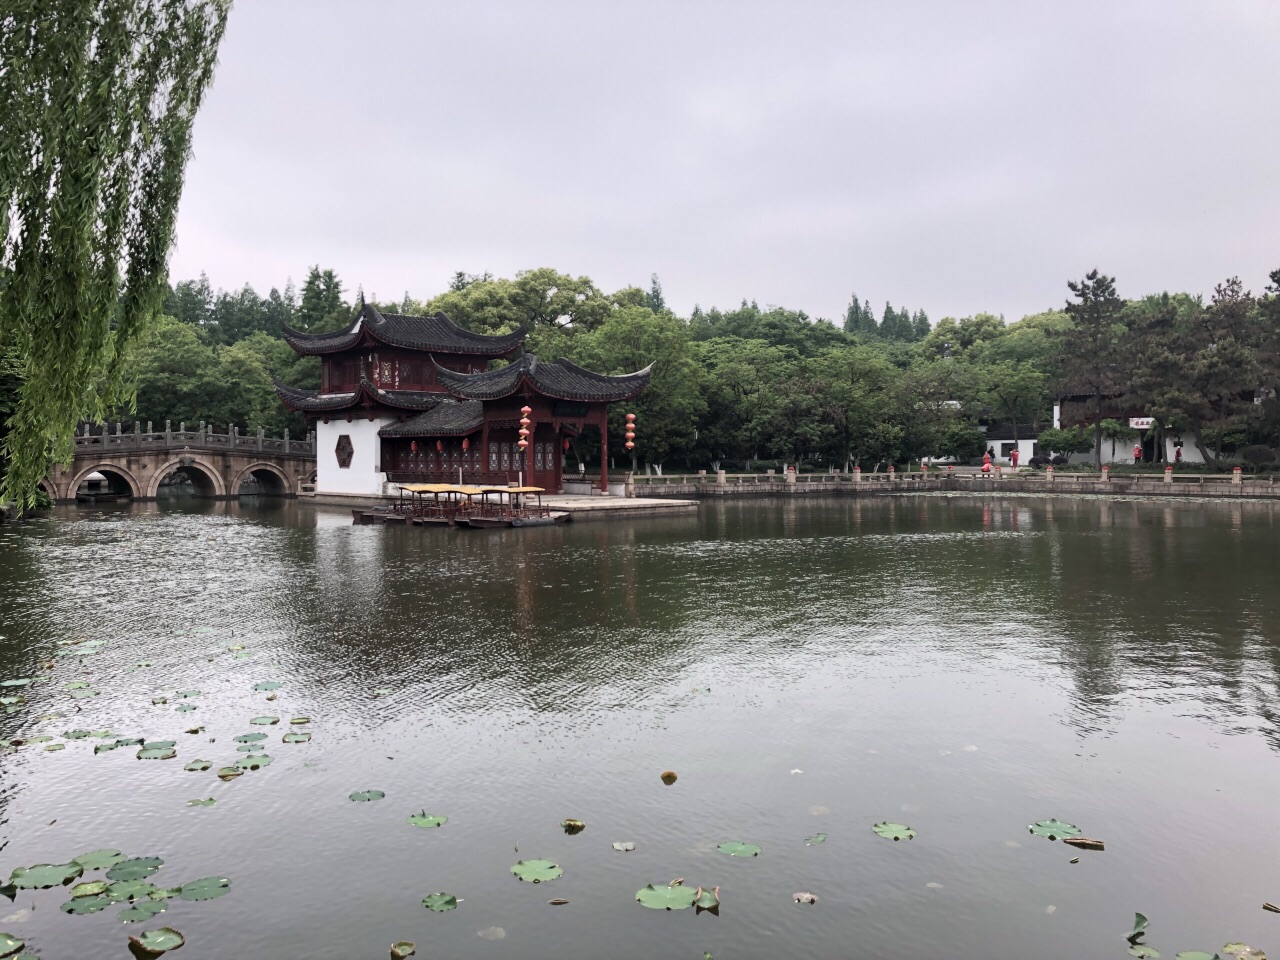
x,y
106,441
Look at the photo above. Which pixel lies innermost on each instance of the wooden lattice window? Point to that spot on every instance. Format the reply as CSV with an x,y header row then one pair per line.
x,y
344,451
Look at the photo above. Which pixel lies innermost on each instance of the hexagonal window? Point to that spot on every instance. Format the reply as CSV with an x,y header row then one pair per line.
x,y
344,451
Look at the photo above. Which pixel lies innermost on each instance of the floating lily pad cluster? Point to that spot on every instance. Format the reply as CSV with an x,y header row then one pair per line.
x,y
1229,951
125,881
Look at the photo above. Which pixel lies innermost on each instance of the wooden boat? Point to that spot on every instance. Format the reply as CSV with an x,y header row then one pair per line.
x,y
513,507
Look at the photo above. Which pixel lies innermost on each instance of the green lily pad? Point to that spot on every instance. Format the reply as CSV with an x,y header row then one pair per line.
x,y
300,720
815,839
667,898
536,871
268,685
99,859
130,742
142,910
9,944
206,888
265,721
893,831
45,875
158,941
105,747
383,692
39,738
194,730
1054,829
90,888
135,889
153,752
54,747
235,647
157,701
253,761
76,734
736,848
136,868
296,738
425,819
440,902
184,708
197,766
250,737
364,796
572,826
1140,924
251,748
1142,950
708,898
207,802
161,744
75,685
624,846
1195,955
403,948
229,773
184,694
84,694
13,700
85,905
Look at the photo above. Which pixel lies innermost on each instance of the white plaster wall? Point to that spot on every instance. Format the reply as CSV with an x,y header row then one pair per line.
x,y
1121,451
364,477
1026,449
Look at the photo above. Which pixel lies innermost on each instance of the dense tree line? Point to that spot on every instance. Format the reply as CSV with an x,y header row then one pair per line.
x,y
740,386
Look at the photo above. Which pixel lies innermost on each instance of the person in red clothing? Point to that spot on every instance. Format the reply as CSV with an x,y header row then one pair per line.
x,y
1013,458
1137,453
1177,454
986,462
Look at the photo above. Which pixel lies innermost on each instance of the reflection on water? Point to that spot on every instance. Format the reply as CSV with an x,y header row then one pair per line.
x,y
964,665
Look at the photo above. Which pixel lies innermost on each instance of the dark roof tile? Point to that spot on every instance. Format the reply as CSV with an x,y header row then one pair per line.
x,y
437,334
452,418
562,380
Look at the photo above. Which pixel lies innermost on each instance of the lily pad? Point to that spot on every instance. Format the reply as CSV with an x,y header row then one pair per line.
x,y
893,831
158,701
206,888
1241,951
253,761
39,738
250,737
99,859
251,748
667,898
815,839
737,848
105,747
1140,924
571,826
129,741
76,734
424,819
1054,829
440,902
184,694
160,940
1195,955
265,721
90,888
123,890
85,905
142,910
1142,950
154,752
809,898
624,846
268,685
9,944
537,871
197,766
708,899
364,796
84,694
137,868
300,720
184,708
45,875
207,802
54,747
229,773
402,949
194,730
72,685
296,738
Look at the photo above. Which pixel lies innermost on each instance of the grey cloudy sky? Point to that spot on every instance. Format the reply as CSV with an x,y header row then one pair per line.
x,y
956,156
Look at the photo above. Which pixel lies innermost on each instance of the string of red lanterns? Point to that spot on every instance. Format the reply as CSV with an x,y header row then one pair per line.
x,y
631,431
523,442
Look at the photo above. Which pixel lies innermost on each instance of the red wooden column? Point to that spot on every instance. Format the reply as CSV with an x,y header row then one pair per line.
x,y
604,449
484,448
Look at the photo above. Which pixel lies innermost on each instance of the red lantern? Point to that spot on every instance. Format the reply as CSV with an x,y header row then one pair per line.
x,y
565,444
631,432
466,443
439,446
525,411
413,446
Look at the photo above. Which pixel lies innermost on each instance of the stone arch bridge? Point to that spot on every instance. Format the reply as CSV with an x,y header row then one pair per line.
x,y
135,464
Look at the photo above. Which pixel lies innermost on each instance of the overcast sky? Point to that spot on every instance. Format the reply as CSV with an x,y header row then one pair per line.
x,y
952,156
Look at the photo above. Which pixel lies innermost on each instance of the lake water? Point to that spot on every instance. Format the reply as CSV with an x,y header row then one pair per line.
x,y
963,666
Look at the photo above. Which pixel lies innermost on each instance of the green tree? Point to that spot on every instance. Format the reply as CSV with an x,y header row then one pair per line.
x,y
1014,390
920,325
1088,349
322,307
99,99
1065,442
653,299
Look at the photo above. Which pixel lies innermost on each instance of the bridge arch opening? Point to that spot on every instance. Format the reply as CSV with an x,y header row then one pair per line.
x,y
186,476
263,480
104,483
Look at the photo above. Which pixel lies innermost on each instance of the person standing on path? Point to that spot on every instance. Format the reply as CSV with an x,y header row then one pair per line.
x,y
1013,458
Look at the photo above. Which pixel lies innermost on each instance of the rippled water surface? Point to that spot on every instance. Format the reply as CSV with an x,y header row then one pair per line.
x,y
964,666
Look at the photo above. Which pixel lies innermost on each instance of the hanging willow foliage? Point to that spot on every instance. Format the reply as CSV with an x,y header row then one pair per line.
x,y
98,100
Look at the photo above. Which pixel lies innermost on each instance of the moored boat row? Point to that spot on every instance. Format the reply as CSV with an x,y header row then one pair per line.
x,y
459,505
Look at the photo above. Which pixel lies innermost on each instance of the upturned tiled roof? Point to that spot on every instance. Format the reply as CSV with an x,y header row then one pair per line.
x,y
437,334
561,379
313,401
452,418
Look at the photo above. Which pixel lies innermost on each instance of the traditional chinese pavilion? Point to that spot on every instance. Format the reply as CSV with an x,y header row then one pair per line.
x,y
413,399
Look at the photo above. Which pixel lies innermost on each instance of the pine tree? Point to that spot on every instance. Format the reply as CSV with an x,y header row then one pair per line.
x,y
653,299
853,316
869,319
920,325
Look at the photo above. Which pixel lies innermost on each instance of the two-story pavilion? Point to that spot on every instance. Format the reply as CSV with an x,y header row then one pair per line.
x,y
413,399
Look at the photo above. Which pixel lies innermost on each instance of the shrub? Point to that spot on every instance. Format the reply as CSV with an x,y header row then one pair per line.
x,y
1257,456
